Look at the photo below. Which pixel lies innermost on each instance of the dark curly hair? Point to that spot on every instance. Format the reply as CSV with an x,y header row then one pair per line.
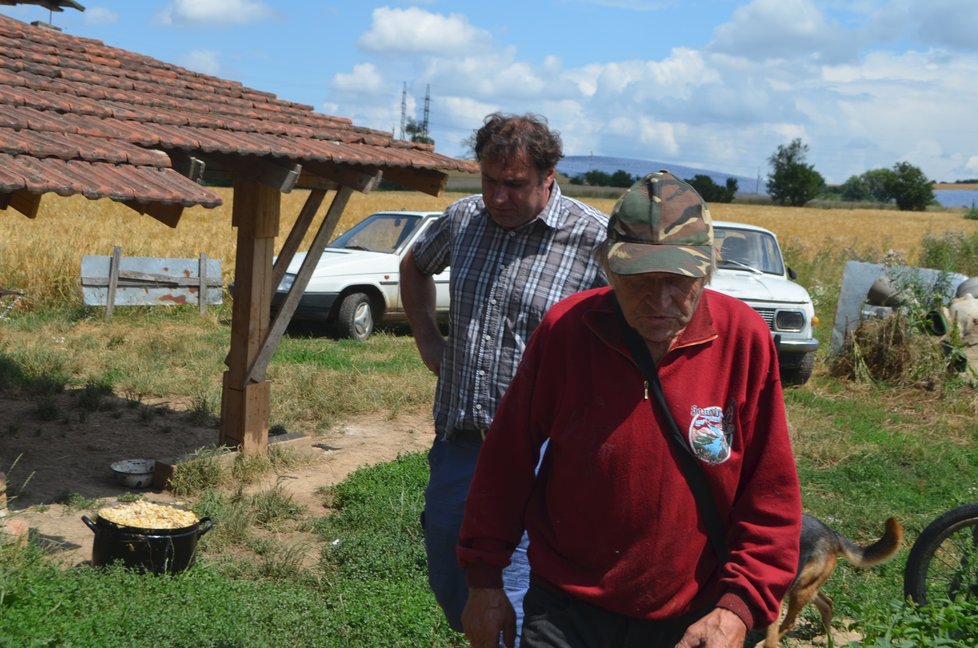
x,y
506,136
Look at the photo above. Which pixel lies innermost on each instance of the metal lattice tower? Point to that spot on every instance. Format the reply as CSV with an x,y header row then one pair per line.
x,y
427,103
403,108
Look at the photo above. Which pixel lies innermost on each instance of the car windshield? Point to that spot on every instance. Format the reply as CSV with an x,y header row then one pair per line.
x,y
378,233
747,250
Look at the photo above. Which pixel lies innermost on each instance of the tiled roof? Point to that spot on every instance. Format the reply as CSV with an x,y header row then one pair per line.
x,y
80,117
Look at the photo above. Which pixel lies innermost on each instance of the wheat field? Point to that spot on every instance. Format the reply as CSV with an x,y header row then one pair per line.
x,y
42,256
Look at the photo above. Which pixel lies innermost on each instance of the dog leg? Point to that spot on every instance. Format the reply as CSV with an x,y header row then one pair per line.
x,y
824,604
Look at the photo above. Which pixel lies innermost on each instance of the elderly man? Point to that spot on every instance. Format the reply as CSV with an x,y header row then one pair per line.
x,y
621,550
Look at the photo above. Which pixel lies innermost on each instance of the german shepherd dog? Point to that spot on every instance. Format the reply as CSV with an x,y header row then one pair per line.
x,y
820,546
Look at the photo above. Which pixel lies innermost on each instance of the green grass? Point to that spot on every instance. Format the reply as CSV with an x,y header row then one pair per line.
x,y
369,590
864,453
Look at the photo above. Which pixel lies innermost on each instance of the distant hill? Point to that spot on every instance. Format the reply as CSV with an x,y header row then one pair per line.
x,y
575,165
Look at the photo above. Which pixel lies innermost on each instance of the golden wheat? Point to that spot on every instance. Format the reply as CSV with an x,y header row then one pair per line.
x,y
42,256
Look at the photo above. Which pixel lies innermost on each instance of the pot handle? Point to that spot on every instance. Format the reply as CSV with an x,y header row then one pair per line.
x,y
91,525
205,525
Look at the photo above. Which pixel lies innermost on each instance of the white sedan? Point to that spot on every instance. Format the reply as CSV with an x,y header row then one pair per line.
x,y
355,285
751,268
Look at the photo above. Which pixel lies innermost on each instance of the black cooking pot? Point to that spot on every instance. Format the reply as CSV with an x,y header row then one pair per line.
x,y
155,550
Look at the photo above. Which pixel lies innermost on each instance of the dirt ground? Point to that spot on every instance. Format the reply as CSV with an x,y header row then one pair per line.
x,y
45,460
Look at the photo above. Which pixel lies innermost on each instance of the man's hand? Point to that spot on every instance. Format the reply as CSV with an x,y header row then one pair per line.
x,y
488,613
721,628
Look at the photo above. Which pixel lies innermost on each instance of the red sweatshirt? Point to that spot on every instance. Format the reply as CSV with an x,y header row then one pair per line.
x,y
610,517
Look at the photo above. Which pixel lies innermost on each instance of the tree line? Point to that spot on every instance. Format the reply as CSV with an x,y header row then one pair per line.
x,y
704,184
794,182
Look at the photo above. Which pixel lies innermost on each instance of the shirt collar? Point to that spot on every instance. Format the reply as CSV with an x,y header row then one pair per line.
x,y
603,320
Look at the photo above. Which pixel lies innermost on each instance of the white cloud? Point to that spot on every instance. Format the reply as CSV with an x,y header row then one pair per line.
x,y
365,78
778,70
213,12
203,61
785,29
413,30
100,16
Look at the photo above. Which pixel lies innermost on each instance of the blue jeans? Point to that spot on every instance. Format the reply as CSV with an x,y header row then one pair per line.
x,y
451,465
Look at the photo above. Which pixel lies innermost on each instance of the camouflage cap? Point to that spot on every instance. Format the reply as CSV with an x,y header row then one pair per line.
x,y
660,225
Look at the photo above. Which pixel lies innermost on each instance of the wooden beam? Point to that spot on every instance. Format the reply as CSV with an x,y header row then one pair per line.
x,y
256,372
311,181
168,214
362,179
296,234
23,201
244,406
278,175
423,180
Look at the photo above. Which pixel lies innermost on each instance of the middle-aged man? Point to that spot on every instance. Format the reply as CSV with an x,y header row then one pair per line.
x,y
620,549
515,250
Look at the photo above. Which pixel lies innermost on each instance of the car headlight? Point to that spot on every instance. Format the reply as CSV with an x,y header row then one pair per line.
x,y
286,284
789,320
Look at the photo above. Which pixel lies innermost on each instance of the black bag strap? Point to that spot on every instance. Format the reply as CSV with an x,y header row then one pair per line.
x,y
688,463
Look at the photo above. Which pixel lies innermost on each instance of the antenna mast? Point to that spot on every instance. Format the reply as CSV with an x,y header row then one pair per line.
x,y
427,103
403,108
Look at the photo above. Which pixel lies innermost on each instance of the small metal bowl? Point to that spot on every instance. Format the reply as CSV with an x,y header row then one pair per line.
x,y
134,473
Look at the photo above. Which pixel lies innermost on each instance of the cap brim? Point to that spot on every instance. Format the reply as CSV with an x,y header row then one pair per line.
x,y
638,258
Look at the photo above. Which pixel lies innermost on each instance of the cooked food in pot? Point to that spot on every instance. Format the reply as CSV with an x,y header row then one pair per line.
x,y
147,515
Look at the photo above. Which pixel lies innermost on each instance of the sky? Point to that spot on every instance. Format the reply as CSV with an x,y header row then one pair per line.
x,y
717,85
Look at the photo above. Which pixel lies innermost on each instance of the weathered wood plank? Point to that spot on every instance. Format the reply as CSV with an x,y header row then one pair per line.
x,y
150,281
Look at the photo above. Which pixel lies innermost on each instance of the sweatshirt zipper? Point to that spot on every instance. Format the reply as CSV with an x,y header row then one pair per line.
x,y
645,385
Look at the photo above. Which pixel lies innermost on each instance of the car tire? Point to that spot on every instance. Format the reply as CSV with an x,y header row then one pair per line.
x,y
355,319
799,375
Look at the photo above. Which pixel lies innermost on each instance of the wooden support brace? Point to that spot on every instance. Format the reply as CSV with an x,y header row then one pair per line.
x,y
296,234
256,372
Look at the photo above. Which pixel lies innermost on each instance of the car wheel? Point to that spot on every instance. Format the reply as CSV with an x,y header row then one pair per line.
x,y
356,317
799,375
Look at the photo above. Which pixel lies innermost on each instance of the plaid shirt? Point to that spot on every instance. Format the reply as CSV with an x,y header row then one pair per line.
x,y
502,282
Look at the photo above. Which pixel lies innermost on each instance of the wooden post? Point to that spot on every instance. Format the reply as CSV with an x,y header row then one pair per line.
x,y
113,281
244,406
202,291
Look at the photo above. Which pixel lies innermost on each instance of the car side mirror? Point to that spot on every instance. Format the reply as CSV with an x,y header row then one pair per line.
x,y
792,274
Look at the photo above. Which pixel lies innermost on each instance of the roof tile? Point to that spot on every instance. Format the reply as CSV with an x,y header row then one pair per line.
x,y
79,116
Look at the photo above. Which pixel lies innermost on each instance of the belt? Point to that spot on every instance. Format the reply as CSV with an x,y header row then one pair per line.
x,y
467,435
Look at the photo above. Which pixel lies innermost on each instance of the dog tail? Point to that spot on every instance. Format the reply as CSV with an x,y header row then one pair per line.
x,y
876,553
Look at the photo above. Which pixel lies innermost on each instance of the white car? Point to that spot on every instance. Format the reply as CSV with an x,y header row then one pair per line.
x,y
355,285
751,268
